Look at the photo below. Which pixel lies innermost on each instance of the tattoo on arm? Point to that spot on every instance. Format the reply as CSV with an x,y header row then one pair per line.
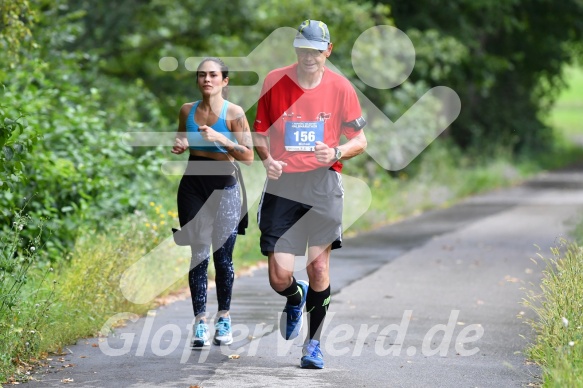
x,y
247,139
240,149
245,133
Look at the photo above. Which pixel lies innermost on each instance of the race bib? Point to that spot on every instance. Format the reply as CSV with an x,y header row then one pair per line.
x,y
302,135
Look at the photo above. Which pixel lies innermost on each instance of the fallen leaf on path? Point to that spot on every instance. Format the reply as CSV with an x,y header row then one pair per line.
x,y
234,357
511,279
66,381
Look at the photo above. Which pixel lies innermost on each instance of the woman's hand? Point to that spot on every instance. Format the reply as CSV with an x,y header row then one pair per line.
x,y
210,135
180,145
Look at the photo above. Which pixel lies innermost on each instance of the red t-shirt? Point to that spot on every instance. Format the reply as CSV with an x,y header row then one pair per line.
x,y
284,103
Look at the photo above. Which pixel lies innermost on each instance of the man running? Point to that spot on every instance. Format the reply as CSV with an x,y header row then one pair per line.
x,y
303,111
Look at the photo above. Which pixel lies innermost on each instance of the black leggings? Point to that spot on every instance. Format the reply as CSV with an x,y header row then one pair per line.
x,y
216,224
224,276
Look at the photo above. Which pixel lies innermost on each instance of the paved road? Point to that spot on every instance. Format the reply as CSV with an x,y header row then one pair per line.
x,y
432,301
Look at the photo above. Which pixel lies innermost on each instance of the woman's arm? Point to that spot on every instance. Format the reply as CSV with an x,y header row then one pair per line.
x,y
239,125
181,142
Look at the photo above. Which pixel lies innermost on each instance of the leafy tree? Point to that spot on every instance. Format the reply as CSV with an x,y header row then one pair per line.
x,y
516,53
16,19
82,172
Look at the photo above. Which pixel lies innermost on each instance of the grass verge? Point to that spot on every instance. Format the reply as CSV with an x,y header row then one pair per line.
x,y
558,305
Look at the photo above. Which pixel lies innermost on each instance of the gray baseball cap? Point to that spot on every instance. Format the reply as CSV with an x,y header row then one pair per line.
x,y
312,34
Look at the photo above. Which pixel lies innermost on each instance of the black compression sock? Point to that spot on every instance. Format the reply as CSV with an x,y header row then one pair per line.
x,y
316,306
293,293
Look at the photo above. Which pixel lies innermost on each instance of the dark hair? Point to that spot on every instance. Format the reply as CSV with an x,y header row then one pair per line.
x,y
224,71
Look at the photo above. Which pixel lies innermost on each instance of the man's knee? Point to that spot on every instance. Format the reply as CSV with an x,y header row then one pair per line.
x,y
279,283
319,270
280,271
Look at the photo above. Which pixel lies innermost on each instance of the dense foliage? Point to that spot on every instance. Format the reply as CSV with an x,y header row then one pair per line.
x,y
517,50
81,172
79,75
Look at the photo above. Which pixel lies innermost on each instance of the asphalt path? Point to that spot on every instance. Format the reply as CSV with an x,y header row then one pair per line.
x,y
432,301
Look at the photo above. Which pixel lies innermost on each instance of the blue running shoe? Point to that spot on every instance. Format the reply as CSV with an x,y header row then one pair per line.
x,y
223,333
293,315
201,336
312,357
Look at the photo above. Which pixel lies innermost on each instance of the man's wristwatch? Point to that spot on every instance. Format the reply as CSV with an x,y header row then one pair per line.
x,y
337,154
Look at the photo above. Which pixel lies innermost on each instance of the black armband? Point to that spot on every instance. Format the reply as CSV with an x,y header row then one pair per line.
x,y
357,124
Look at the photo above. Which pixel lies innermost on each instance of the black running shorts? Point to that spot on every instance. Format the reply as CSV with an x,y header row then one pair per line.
x,y
301,209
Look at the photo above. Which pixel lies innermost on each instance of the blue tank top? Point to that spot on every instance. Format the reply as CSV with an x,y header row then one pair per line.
x,y
195,140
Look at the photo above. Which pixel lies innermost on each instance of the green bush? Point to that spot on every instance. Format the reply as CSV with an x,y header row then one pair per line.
x,y
80,172
16,139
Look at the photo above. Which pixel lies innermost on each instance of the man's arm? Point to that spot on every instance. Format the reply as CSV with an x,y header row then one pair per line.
x,y
261,144
350,149
353,147
274,168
